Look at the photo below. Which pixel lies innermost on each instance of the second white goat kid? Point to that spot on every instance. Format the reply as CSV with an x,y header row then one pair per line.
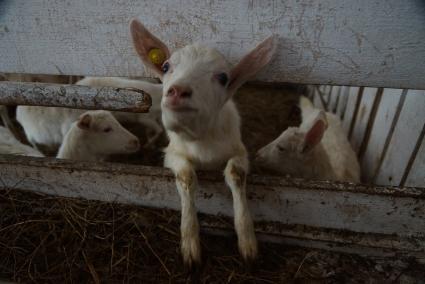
x,y
92,137
48,125
203,126
151,119
95,136
318,149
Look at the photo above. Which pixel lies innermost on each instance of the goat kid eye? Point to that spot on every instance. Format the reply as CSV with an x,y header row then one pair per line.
x,y
165,66
108,129
222,79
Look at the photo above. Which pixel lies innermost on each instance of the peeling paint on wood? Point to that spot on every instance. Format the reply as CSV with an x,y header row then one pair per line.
x,y
74,96
416,176
404,139
361,43
362,117
380,130
276,202
349,111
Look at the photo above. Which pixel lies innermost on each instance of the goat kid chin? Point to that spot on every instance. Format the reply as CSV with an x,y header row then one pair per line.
x,y
203,126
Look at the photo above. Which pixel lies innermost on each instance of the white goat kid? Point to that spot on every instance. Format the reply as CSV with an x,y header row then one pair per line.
x,y
151,119
95,136
318,149
48,125
203,126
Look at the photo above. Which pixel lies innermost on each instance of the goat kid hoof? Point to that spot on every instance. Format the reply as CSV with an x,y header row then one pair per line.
x,y
192,267
248,251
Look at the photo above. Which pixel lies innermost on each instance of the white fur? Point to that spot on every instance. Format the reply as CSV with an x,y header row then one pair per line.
x,y
10,145
331,159
92,143
151,119
203,126
48,125
206,138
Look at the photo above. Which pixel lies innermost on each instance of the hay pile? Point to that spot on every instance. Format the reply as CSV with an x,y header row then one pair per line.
x,y
46,239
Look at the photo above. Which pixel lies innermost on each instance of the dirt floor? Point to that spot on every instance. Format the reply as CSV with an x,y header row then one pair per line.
x,y
45,239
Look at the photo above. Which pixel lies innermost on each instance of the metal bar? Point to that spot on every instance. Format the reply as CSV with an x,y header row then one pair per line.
x,y
74,96
279,205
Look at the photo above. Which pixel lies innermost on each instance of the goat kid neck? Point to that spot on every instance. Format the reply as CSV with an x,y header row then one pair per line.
x,y
221,141
319,164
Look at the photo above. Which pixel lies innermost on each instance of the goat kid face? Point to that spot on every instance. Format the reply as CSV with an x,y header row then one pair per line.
x,y
106,135
197,80
292,152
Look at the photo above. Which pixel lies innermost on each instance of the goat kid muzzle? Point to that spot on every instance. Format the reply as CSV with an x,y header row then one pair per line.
x,y
177,97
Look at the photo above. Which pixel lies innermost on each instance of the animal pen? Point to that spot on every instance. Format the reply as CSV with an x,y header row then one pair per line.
x,y
362,60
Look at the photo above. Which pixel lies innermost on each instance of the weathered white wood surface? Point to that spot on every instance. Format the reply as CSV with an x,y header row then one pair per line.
x,y
404,139
334,98
362,43
342,103
416,176
318,100
362,117
379,133
277,203
74,96
353,95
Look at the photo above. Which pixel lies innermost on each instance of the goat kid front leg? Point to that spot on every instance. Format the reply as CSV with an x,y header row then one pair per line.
x,y
235,175
186,182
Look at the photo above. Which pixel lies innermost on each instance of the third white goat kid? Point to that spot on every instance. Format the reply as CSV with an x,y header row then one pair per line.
x,y
318,149
203,126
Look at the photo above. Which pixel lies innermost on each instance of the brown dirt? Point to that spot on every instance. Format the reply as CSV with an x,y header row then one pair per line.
x,y
45,239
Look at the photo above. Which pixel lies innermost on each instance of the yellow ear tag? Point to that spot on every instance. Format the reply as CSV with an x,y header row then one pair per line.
x,y
156,56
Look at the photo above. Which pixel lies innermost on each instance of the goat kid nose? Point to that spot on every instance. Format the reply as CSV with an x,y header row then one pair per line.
x,y
179,92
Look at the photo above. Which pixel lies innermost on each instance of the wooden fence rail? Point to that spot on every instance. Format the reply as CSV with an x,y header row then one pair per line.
x,y
346,215
74,96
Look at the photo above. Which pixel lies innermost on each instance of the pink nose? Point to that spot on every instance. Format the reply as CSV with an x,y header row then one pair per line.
x,y
179,92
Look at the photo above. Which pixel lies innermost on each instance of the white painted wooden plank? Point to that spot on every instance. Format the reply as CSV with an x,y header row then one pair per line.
x,y
317,100
405,136
339,206
362,117
327,95
335,93
342,105
381,127
416,175
362,43
74,96
353,94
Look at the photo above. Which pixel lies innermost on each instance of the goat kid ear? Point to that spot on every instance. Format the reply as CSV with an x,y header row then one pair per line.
x,y
315,132
84,121
144,42
252,63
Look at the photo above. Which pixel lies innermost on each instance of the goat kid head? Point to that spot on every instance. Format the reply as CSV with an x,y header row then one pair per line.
x,y
197,80
292,151
105,135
